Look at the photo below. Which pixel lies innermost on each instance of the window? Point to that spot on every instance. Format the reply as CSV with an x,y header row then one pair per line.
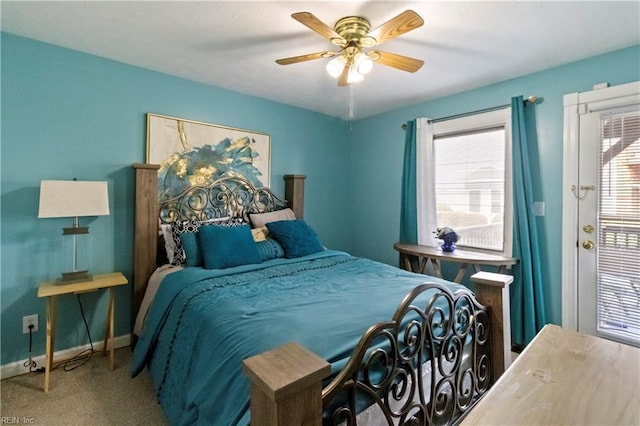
x,y
619,225
473,179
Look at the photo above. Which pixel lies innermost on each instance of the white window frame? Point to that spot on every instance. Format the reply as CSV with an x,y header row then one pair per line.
x,y
478,122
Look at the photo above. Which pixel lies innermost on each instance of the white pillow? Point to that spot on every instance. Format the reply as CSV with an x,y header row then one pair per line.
x,y
259,220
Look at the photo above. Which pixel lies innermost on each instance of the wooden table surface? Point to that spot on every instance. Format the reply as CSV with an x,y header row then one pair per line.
x,y
565,377
57,288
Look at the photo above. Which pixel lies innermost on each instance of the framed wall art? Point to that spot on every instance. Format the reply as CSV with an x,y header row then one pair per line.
x,y
194,153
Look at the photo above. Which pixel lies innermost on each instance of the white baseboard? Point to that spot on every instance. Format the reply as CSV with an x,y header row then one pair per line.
x,y
17,368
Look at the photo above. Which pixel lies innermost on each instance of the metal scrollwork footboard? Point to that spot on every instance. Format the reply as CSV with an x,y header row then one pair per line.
x,y
428,365
232,196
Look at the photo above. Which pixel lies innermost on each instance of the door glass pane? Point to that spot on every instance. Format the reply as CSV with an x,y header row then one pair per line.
x,y
619,226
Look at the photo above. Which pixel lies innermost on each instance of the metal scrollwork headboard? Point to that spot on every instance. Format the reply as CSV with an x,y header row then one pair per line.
x,y
232,196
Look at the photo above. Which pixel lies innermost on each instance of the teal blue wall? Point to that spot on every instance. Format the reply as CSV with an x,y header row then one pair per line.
x,y
378,146
66,114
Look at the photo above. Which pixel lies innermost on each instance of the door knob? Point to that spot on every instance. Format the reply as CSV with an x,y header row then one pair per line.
x,y
588,229
588,244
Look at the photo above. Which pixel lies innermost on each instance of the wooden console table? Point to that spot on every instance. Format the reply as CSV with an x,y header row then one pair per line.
x,y
51,290
565,377
465,258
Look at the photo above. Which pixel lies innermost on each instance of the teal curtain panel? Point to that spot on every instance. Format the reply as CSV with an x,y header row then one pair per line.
x,y
527,297
408,206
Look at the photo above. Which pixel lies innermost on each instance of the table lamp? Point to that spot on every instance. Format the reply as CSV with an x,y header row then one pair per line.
x,y
73,198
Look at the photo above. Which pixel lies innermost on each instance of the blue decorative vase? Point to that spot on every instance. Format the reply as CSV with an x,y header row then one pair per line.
x,y
448,247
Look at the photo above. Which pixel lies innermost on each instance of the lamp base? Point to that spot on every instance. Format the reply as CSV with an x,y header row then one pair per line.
x,y
75,277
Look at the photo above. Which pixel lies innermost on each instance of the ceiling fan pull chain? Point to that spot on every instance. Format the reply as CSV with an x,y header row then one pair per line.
x,y
351,103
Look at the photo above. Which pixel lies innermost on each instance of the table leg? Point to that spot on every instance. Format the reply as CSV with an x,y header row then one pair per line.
x,y
108,334
50,340
105,345
422,263
407,262
435,264
460,275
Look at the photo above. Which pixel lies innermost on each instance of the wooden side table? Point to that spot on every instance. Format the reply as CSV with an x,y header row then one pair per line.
x,y
51,290
465,258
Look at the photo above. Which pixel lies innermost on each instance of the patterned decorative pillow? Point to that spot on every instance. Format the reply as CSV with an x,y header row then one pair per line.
x,y
184,226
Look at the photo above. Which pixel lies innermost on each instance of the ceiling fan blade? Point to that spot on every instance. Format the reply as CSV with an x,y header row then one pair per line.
x,y
342,80
394,60
303,58
401,24
309,20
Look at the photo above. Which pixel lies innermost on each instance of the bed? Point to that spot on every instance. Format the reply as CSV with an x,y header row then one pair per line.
x,y
388,344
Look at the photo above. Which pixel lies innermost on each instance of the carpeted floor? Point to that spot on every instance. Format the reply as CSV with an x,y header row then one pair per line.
x,y
89,395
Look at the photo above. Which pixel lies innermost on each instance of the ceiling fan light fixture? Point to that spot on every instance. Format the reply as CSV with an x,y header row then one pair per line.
x,y
363,63
354,34
335,66
354,76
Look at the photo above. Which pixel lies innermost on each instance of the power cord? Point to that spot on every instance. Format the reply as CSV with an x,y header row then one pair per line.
x,y
74,362
30,363
84,356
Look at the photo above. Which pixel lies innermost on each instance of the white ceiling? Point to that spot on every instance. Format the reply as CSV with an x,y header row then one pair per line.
x,y
233,44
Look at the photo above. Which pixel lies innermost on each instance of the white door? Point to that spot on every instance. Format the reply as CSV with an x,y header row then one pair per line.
x,y
606,197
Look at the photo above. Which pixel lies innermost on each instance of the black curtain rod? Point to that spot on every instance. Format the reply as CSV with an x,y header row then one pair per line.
x,y
530,99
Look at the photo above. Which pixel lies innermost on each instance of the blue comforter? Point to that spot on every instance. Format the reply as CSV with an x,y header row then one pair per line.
x,y
203,323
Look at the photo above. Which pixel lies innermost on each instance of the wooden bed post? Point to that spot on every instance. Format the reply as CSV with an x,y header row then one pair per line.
x,y
294,193
146,232
492,290
286,386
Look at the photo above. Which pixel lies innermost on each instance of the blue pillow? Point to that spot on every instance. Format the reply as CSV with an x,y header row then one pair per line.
x,y
296,237
190,245
180,227
224,247
269,249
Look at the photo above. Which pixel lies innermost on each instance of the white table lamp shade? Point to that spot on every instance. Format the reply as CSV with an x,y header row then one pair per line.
x,y
73,198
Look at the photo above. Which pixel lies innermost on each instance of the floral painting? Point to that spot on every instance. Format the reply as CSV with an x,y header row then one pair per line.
x,y
193,153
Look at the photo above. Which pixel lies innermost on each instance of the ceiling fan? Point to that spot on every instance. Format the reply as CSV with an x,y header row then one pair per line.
x,y
353,34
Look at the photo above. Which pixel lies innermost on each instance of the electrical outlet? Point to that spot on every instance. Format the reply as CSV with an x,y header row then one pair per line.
x,y
28,320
